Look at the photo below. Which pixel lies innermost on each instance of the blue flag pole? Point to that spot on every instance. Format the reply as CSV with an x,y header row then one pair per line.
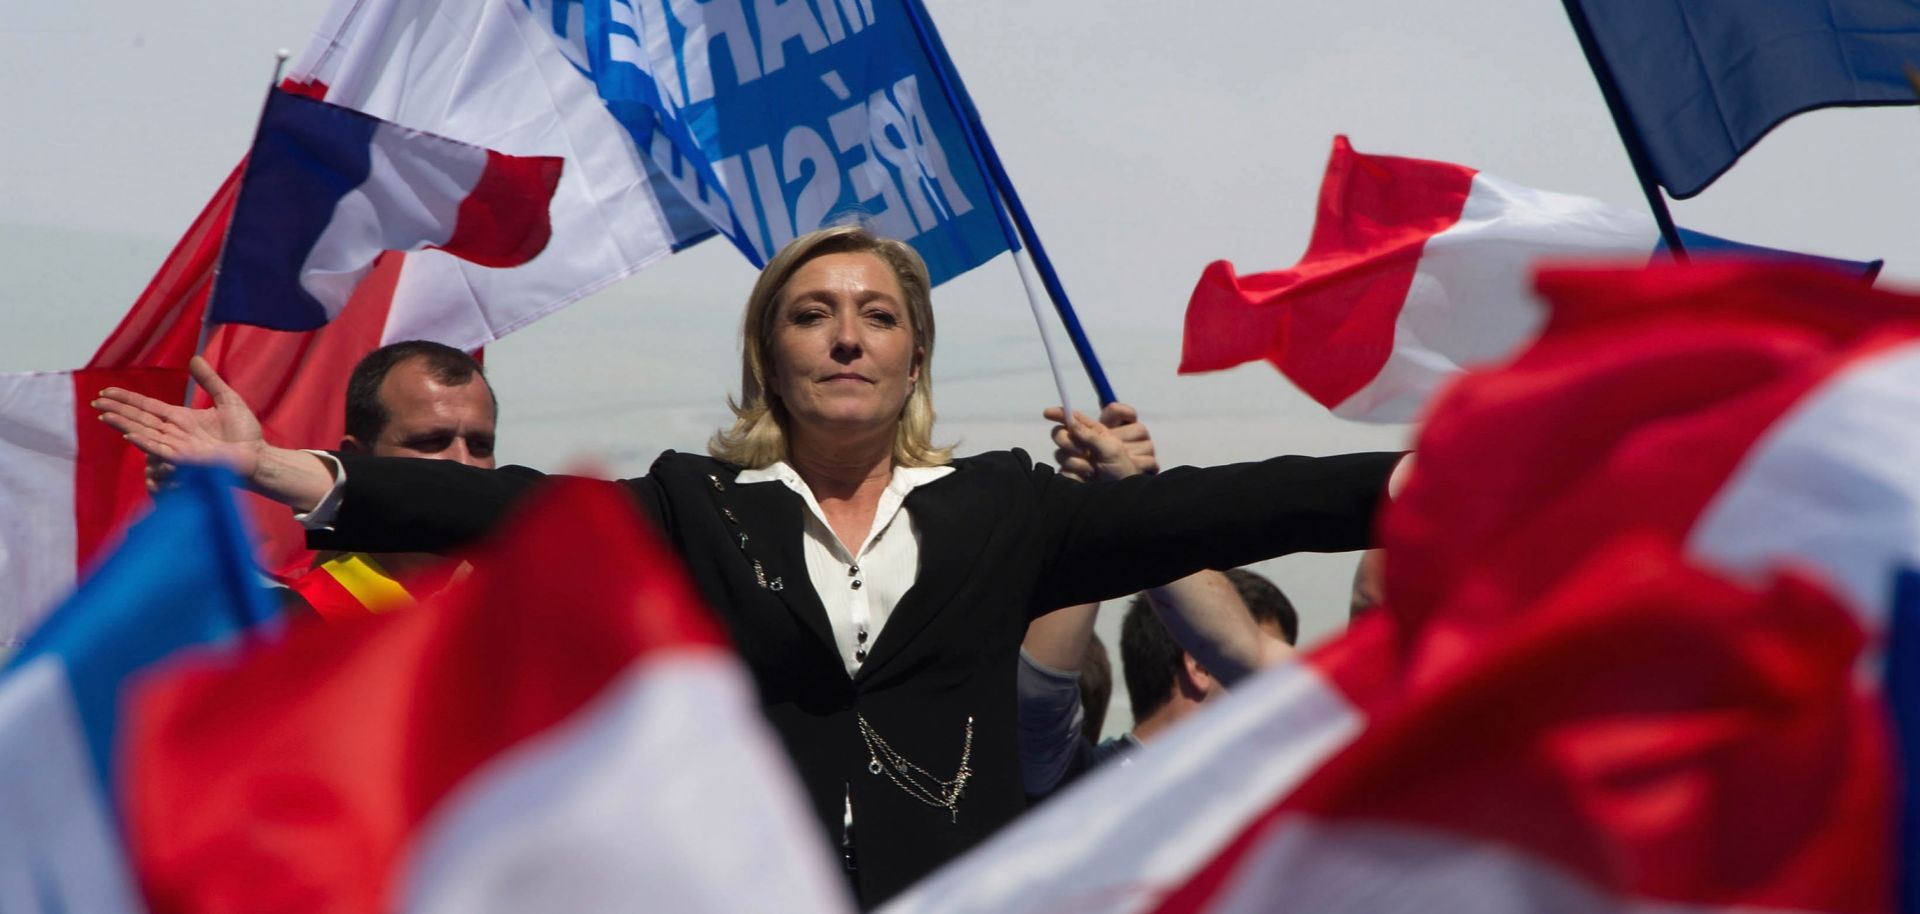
x,y
1629,135
988,161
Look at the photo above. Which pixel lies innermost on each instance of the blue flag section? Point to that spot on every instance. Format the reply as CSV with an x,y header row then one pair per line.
x,y
183,576
1703,243
306,156
772,119
1701,81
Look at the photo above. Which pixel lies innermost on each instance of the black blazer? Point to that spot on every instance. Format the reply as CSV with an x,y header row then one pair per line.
x,y
1002,540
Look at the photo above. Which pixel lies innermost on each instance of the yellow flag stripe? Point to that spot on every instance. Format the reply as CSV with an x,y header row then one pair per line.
x,y
368,582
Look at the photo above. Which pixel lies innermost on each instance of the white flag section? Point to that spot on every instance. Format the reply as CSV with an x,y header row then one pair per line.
x,y
647,799
1831,487
59,849
1469,301
491,73
37,536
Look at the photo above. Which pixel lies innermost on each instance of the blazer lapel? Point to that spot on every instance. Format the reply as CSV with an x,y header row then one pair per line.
x,y
769,515
948,546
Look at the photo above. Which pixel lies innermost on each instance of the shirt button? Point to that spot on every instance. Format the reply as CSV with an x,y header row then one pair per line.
x,y
856,583
852,570
860,656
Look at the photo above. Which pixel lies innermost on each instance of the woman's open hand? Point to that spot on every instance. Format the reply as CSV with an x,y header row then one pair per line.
x,y
226,435
1115,447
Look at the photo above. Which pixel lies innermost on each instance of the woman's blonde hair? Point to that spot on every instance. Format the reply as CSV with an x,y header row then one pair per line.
x,y
758,437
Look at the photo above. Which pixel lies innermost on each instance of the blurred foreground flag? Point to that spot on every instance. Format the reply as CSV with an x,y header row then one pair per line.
x,y
1704,80
1416,269
1630,586
1646,737
1762,415
566,730
1765,416
328,189
182,578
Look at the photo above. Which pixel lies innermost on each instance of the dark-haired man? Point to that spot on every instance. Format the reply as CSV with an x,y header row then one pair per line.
x,y
1164,682
409,399
1239,619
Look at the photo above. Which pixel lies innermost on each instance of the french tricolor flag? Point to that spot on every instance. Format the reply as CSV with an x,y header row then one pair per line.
x,y
1416,269
1640,589
564,730
328,189
491,74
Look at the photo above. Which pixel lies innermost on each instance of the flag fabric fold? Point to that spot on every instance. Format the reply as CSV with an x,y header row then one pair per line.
x,y
1758,414
1632,588
328,189
1702,82
1622,745
183,578
564,730
1416,270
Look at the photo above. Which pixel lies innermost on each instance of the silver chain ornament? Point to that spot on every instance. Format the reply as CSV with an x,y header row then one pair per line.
x,y
884,759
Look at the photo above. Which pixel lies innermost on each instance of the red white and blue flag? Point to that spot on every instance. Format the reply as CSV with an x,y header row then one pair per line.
x,y
564,730
182,580
480,752
491,74
1416,270
1632,590
328,189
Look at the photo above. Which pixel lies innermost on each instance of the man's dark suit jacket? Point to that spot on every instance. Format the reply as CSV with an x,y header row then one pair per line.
x,y
1001,540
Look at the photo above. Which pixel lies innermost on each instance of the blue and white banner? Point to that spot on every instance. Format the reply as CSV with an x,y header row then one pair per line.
x,y
772,118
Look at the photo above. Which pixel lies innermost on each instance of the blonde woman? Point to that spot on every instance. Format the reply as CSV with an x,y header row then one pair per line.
x,y
878,587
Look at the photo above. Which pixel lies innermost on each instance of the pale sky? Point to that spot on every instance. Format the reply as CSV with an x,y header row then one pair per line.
x,y
1146,138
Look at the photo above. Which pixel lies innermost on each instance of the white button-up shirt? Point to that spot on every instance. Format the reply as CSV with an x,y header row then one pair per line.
x,y
859,587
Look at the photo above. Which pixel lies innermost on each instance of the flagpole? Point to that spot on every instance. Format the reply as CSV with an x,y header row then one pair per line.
x,y
206,313
987,159
1629,135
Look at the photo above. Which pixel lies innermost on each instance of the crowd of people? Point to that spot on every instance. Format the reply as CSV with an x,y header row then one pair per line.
x,y
919,625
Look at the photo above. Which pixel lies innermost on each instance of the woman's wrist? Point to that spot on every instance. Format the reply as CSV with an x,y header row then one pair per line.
x,y
293,478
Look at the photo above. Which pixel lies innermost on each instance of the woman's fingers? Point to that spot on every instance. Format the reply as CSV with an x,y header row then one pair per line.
x,y
152,445
1076,467
1065,440
126,401
210,381
129,428
129,417
1116,414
